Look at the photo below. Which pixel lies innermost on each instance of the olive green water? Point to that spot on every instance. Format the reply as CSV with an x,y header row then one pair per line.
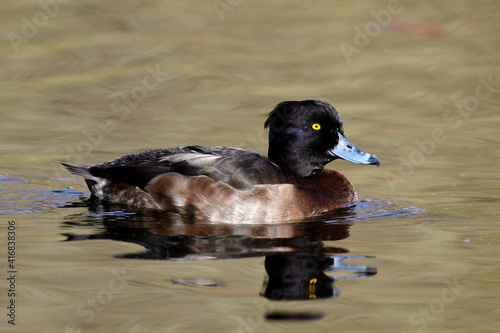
x,y
417,84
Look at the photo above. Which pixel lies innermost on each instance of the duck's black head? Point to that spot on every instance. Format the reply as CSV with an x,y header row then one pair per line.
x,y
306,135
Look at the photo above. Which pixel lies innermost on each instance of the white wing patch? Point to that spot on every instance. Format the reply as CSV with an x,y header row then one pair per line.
x,y
194,159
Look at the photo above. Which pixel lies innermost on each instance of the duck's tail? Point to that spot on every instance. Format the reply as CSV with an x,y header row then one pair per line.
x,y
79,170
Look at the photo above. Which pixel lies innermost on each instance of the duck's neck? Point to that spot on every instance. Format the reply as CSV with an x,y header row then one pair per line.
x,y
288,157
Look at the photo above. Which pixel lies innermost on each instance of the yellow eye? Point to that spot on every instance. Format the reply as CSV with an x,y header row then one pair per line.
x,y
316,127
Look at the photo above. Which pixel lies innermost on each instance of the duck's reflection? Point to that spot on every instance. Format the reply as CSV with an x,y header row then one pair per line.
x,y
301,276
299,265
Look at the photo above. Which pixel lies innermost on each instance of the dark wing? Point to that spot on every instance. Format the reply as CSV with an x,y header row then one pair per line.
x,y
236,167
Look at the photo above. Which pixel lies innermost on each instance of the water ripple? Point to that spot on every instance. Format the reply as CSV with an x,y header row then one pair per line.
x,y
30,200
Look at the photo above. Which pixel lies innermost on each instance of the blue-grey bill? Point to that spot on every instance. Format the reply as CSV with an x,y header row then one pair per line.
x,y
349,152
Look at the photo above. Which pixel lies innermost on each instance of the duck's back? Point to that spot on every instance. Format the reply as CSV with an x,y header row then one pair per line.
x,y
238,168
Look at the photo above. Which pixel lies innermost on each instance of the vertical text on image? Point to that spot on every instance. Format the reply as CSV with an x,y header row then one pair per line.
x,y
11,272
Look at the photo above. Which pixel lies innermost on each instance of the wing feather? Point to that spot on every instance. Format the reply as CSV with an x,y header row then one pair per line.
x,y
237,167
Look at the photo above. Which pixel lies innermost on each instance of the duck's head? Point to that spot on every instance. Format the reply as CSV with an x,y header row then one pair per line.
x,y
306,135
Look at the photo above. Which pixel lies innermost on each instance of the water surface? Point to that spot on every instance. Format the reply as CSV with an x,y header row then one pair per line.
x,y
416,84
